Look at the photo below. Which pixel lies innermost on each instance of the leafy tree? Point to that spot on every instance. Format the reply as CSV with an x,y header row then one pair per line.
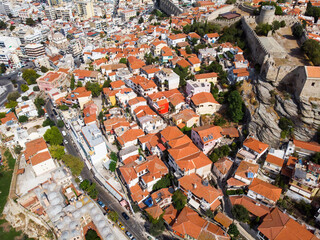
x,y
219,121
286,125
12,28
297,30
233,231
276,25
114,156
219,153
11,104
140,20
179,200
40,112
164,182
30,22
123,60
106,83
3,25
112,166
157,227
240,213
3,68
18,149
63,107
39,102
57,151
79,84
13,96
60,124
30,76
282,24
36,89
263,29
188,50
230,1
315,158
53,136
25,98
23,119
24,87
235,106
312,49
278,8
48,122
85,184
74,163
91,235
113,216
44,69
2,114
72,82
94,88
183,74
75,106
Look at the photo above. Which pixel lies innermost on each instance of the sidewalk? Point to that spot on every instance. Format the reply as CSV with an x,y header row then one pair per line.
x,y
242,231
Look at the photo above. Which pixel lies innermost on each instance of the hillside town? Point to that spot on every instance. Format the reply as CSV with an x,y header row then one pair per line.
x,y
159,119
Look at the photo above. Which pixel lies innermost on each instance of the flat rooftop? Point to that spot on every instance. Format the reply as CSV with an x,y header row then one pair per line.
x,y
276,50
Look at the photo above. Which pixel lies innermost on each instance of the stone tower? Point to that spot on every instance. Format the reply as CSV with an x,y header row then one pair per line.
x,y
267,14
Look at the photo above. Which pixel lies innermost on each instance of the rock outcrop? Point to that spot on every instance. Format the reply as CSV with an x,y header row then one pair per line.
x,y
272,105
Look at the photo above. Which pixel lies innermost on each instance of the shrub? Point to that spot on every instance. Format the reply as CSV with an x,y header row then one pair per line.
x,y
23,119
240,213
179,200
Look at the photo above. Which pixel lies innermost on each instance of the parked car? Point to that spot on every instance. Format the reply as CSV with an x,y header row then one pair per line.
x,y
101,203
80,179
65,142
107,209
126,217
121,227
129,234
64,133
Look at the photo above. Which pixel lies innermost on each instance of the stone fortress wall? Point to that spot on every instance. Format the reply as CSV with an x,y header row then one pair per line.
x,y
169,7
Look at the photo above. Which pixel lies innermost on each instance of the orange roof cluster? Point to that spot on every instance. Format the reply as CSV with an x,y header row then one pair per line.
x,y
245,168
252,205
265,189
40,157
50,77
274,160
223,165
206,75
255,145
194,184
208,133
114,123
203,97
33,147
130,135
9,117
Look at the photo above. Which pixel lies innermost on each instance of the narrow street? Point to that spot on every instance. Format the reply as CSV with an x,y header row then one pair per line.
x,y
131,225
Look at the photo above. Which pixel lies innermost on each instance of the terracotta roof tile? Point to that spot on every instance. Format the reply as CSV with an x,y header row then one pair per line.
x,y
255,145
265,189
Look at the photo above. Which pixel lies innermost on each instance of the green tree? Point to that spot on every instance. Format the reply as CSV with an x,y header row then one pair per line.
x,y
309,10
30,22
183,74
39,102
240,213
48,122
11,104
123,60
263,29
24,87
2,115
107,83
233,231
140,20
53,136
235,106
13,96
63,107
315,158
85,184
94,88
276,25
12,28
157,227
3,25
40,112
188,50
60,124
3,68
25,98
72,82
57,151
23,119
17,149
230,1
282,24
91,235
179,200
74,163
30,76
297,30
36,89
44,69
113,216
286,125
112,166
79,84
220,152
312,49
164,182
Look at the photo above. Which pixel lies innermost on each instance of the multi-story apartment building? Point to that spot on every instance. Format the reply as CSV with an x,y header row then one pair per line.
x,y
34,50
167,79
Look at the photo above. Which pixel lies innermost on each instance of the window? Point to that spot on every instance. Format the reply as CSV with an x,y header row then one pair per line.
x,y
312,84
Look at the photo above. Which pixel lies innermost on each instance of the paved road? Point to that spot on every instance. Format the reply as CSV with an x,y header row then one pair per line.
x,y
131,225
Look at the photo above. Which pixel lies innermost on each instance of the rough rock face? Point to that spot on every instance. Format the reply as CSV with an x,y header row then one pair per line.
x,y
305,114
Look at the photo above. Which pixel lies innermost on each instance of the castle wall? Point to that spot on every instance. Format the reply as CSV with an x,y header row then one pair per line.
x,y
169,7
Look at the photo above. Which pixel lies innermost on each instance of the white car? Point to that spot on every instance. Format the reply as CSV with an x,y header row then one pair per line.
x,y
65,141
64,133
80,178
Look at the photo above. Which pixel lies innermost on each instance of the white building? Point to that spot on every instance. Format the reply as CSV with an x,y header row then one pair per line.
x,y
94,145
167,79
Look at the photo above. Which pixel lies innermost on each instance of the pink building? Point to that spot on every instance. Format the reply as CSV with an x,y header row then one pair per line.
x,y
52,80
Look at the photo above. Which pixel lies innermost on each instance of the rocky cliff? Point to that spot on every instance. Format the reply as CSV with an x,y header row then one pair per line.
x,y
271,105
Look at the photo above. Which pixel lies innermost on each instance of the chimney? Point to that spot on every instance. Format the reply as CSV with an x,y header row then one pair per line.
x,y
194,185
